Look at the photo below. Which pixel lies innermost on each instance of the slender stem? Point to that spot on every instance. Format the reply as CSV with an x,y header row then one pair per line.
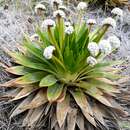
x,y
90,27
53,41
59,62
101,33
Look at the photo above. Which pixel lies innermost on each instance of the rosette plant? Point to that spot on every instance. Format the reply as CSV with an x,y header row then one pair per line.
x,y
62,80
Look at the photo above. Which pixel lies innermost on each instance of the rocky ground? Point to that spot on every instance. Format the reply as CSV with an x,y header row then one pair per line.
x,y
17,19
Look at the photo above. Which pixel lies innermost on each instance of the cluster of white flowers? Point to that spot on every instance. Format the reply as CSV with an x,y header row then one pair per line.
x,y
109,21
62,7
93,48
82,6
105,47
114,41
48,52
39,7
57,2
59,13
69,30
117,11
91,61
48,23
67,24
91,21
34,38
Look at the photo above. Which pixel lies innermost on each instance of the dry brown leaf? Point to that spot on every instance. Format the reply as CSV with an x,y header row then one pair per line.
x,y
120,2
26,119
98,95
71,119
98,113
62,110
53,121
80,121
62,96
10,83
107,81
83,103
35,116
11,93
19,109
24,92
123,80
39,99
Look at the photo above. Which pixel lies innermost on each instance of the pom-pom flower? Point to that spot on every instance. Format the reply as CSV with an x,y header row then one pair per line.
x,y
69,30
91,21
48,52
39,8
82,6
109,21
105,46
117,11
62,7
67,24
59,13
48,23
93,48
56,2
91,61
34,38
114,41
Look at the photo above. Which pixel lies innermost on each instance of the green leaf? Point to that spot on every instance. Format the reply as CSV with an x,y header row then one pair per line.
x,y
54,92
28,62
43,36
61,32
30,78
33,49
100,33
36,52
49,80
19,70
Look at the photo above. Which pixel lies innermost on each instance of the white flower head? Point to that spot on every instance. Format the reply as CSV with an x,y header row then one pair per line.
x,y
56,2
91,21
48,23
91,61
82,6
59,13
62,7
67,24
105,47
114,41
93,48
109,21
48,52
34,38
117,11
69,30
39,8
